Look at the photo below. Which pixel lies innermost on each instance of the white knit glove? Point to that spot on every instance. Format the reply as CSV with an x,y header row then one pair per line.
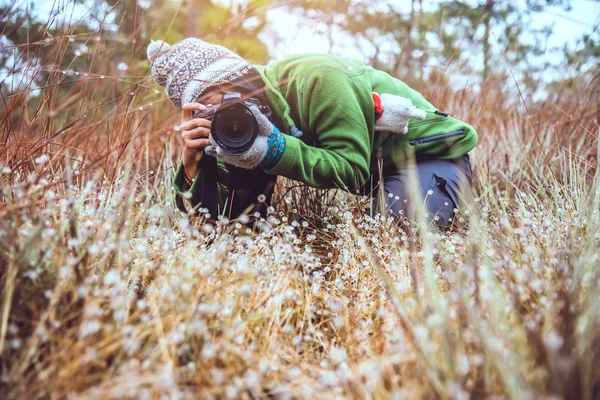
x,y
397,110
255,154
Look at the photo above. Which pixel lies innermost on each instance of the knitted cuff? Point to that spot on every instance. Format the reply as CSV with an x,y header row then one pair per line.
x,y
275,148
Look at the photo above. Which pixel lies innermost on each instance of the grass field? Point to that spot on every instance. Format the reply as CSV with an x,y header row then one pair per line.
x,y
108,291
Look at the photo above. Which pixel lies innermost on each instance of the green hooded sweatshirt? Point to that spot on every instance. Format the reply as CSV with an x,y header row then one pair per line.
x,y
329,99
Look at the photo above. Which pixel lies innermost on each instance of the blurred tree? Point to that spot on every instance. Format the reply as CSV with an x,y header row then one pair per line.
x,y
587,51
382,26
510,25
47,50
585,58
128,16
489,33
235,26
112,36
33,49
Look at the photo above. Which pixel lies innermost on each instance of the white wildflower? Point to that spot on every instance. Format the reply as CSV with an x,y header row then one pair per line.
x,y
339,322
231,392
94,249
12,329
48,233
338,355
111,277
42,159
89,328
553,340
65,272
207,352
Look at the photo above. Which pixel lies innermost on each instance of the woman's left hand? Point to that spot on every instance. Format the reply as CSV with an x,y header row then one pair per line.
x,y
255,154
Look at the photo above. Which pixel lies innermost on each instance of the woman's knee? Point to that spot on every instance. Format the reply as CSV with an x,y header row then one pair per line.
x,y
440,203
440,182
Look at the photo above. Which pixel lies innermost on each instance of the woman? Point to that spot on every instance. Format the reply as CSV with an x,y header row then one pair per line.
x,y
341,121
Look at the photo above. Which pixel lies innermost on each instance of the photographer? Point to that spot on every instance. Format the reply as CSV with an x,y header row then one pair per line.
x,y
333,123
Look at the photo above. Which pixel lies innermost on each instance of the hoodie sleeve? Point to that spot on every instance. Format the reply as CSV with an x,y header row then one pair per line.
x,y
341,155
205,192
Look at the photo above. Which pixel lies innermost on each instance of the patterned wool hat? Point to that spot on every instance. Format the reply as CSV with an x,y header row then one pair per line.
x,y
188,68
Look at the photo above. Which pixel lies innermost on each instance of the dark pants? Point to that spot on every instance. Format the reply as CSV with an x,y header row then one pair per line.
x,y
440,184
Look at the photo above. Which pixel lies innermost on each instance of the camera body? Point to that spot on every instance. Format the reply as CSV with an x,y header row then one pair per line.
x,y
234,127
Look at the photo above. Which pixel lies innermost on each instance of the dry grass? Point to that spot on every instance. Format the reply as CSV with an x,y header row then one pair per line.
x,y
109,292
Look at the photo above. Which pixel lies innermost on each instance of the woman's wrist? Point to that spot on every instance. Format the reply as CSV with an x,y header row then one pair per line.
x,y
275,149
189,180
190,168
190,164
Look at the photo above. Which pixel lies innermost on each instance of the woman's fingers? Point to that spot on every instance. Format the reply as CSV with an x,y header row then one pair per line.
x,y
194,123
196,133
188,109
197,144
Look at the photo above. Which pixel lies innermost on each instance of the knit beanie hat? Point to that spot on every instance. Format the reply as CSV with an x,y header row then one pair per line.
x,y
187,69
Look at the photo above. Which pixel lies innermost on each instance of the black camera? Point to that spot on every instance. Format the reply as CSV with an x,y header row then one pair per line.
x,y
234,128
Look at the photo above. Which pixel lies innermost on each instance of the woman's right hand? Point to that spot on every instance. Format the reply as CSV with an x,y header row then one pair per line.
x,y
194,137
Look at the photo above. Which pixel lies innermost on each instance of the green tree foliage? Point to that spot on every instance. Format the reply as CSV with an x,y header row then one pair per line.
x,y
111,37
235,26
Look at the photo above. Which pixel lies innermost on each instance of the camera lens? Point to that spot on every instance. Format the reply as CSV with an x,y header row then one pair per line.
x,y
234,128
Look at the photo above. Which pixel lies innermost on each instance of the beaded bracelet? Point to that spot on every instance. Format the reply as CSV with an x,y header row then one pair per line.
x,y
187,178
